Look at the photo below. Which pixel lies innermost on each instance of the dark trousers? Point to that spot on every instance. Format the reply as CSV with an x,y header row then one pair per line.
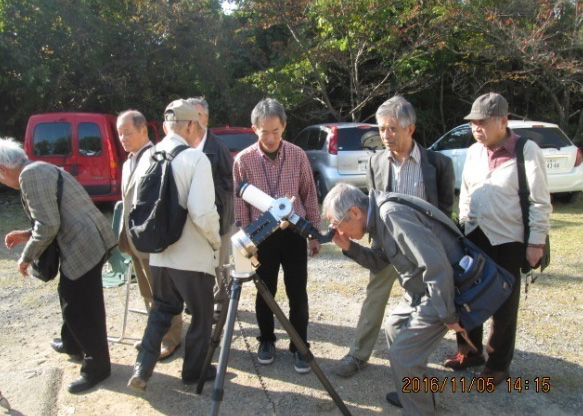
x,y
172,289
84,329
288,249
500,346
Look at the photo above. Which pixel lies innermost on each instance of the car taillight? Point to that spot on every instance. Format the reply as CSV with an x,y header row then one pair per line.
x,y
333,142
578,157
112,162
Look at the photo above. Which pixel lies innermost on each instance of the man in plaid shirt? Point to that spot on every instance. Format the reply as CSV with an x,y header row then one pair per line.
x,y
279,169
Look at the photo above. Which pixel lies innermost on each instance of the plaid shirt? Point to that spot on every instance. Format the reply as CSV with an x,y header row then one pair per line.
x,y
289,174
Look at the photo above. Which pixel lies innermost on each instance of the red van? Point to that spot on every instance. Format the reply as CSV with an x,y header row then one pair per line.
x,y
85,145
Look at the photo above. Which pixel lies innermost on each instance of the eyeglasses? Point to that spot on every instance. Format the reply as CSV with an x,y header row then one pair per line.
x,y
335,224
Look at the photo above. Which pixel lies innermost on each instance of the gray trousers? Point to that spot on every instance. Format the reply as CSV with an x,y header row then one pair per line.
x,y
173,288
372,312
413,332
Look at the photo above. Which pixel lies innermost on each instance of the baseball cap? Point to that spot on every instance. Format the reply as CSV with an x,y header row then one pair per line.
x,y
488,105
180,110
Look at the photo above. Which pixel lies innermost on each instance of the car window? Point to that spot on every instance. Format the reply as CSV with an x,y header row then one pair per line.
x,y
237,141
459,138
322,136
89,137
313,140
545,137
352,138
52,139
302,138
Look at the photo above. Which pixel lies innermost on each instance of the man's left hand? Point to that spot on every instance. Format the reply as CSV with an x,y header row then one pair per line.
x,y
314,247
23,268
533,255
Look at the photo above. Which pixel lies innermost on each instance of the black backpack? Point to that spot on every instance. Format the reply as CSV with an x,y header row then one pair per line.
x,y
157,219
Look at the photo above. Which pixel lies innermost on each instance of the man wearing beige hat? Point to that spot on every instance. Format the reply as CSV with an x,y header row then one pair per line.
x,y
184,272
491,217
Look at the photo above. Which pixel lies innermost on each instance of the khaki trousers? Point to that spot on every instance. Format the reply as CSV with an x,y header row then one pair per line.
x,y
372,312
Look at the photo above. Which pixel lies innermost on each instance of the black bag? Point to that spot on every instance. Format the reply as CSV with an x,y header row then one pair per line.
x,y
481,288
157,219
523,193
47,265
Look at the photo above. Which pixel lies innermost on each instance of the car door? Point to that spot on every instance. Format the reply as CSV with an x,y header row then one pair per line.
x,y
355,146
454,144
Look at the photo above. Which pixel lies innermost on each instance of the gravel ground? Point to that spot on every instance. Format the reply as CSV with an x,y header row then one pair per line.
x,y
33,378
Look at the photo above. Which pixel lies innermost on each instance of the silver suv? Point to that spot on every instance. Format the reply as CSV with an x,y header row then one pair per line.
x,y
339,152
563,158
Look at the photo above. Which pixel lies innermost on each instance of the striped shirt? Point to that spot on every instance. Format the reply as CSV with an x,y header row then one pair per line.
x,y
406,176
288,175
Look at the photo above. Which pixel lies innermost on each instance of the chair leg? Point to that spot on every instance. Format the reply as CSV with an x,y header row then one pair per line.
x,y
126,304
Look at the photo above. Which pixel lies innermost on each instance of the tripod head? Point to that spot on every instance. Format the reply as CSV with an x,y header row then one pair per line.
x,y
277,213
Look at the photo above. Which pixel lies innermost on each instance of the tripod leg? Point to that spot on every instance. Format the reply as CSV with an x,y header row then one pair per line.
x,y
299,343
213,344
218,391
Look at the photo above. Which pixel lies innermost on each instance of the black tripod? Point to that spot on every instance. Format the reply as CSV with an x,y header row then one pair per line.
x,y
228,316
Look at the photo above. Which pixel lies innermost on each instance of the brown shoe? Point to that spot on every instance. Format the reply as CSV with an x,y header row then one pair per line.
x,y
167,352
461,361
497,376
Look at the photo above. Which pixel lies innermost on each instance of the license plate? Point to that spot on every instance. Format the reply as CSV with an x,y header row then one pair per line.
x,y
553,164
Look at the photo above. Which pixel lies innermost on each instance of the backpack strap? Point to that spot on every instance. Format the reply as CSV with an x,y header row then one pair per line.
x,y
523,189
448,224
174,152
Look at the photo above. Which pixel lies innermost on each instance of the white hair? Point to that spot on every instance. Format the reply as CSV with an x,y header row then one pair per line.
x,y
11,153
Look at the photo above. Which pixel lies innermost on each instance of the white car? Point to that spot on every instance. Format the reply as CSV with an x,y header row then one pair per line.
x,y
339,152
563,158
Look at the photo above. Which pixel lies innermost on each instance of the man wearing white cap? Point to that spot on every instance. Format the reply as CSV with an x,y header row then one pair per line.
x,y
184,272
491,216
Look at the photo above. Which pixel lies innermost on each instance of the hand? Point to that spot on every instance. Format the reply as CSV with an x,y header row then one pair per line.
x,y
533,255
341,241
14,238
23,268
314,247
456,327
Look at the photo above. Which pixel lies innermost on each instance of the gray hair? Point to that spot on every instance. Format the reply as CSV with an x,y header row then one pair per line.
x,y
341,198
200,101
11,153
269,107
138,119
399,109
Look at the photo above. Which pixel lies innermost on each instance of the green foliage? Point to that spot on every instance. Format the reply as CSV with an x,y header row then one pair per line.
x,y
324,59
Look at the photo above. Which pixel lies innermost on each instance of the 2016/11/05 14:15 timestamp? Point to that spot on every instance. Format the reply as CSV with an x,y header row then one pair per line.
x,y
477,384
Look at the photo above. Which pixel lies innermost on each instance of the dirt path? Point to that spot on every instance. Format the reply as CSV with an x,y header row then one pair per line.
x,y
34,378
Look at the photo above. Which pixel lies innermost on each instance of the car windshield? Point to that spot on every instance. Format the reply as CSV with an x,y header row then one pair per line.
x,y
545,137
359,138
238,141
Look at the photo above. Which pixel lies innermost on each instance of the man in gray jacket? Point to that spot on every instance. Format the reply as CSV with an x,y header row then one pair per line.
x,y
84,237
408,168
422,251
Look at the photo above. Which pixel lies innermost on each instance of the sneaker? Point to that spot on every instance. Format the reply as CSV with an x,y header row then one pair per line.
x,y
300,365
349,365
461,361
266,353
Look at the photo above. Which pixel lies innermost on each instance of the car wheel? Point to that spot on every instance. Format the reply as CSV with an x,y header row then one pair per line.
x,y
321,189
566,197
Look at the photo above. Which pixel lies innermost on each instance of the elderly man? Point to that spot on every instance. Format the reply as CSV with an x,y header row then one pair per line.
x,y
84,237
405,167
183,272
222,166
132,129
279,169
422,251
491,215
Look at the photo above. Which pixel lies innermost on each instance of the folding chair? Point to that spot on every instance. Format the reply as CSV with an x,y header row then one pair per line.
x,y
118,271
